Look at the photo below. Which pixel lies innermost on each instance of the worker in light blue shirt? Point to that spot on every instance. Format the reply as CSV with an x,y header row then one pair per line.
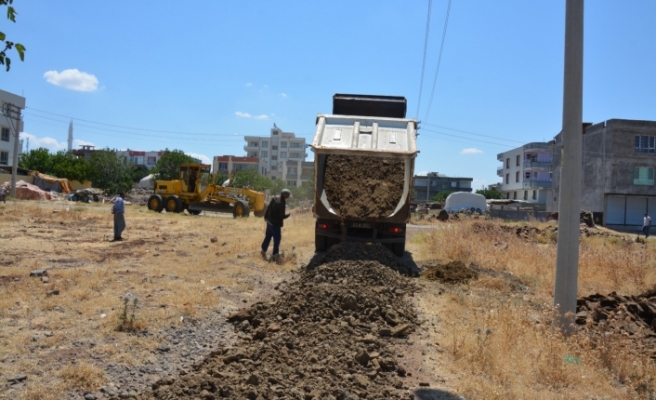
x,y
118,209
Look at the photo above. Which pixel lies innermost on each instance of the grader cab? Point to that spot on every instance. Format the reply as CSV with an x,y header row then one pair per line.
x,y
190,193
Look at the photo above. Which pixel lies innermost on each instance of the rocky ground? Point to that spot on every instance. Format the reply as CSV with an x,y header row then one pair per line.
x,y
336,333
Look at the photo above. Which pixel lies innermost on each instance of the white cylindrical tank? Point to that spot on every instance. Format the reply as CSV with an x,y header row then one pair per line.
x,y
459,200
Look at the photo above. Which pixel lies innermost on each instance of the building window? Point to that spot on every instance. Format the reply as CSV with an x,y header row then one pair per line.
x,y
644,144
273,178
283,145
273,168
291,183
223,167
527,176
517,160
643,176
5,109
274,133
252,154
283,154
252,144
535,194
152,160
292,171
515,195
265,154
295,155
507,195
265,144
274,147
507,163
295,145
517,176
274,157
4,158
525,194
5,134
507,179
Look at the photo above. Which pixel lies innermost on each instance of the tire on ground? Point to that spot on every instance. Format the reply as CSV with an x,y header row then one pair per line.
x,y
155,203
173,204
241,209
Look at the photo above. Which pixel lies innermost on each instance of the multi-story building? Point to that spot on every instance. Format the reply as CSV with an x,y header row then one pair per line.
x,y
619,159
295,172
274,151
426,187
140,158
227,164
527,172
10,124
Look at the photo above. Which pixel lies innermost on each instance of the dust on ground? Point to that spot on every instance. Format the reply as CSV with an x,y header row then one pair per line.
x,y
364,187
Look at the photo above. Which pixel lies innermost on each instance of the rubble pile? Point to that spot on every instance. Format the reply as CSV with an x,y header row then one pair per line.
x,y
358,251
364,187
632,316
333,334
452,272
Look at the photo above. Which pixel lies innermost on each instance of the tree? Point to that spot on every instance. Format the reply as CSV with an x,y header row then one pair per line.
x,y
251,178
66,165
490,193
441,196
20,49
37,160
110,172
139,172
168,165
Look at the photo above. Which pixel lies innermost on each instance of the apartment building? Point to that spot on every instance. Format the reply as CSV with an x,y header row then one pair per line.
x,y
10,123
619,159
227,164
141,158
527,172
274,151
427,186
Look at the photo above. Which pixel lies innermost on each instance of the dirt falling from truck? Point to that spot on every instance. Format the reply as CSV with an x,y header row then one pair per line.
x,y
364,187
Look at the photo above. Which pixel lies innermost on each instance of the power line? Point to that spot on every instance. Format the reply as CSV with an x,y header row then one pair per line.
x,y
423,62
466,138
473,133
439,59
122,126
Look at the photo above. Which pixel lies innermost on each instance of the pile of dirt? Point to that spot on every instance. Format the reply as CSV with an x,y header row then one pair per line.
x,y
333,334
357,251
452,272
632,316
138,196
364,187
534,234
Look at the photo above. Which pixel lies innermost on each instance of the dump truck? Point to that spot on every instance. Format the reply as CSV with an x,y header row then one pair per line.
x,y
363,166
187,193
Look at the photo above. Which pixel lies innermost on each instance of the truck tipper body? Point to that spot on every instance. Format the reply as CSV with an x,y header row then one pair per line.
x,y
363,166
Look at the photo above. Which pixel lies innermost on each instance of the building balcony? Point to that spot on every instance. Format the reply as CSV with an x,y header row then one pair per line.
x,y
538,165
292,176
248,148
537,184
537,146
500,171
306,177
500,156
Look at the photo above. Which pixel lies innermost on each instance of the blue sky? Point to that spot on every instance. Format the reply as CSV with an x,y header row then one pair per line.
x,y
198,76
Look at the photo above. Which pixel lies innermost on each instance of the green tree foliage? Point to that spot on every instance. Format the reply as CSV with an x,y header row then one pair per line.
x,y
251,178
109,172
139,172
37,160
8,45
168,165
66,165
441,196
491,193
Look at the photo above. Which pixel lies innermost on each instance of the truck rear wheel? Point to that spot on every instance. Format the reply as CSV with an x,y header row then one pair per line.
x,y
173,204
241,209
155,203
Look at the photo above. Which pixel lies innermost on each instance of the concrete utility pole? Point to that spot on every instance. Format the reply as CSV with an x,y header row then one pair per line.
x,y
14,113
569,210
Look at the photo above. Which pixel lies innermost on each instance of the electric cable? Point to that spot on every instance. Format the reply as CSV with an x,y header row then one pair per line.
x,y
439,59
423,62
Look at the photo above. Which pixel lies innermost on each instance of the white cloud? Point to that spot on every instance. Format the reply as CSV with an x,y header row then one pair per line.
x,y
50,143
72,79
283,95
471,150
247,115
421,173
202,157
249,84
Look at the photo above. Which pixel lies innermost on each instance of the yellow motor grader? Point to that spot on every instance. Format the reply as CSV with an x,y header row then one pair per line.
x,y
187,193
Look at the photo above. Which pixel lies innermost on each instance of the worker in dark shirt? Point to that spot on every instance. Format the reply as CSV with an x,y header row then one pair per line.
x,y
274,216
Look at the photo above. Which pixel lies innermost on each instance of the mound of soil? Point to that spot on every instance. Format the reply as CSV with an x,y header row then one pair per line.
x,y
357,251
453,272
331,335
632,316
364,187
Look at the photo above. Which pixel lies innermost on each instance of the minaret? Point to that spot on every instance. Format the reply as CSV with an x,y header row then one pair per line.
x,y
70,136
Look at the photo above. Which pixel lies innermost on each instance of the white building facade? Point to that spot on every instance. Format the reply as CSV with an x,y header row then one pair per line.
x,y
527,172
10,125
274,152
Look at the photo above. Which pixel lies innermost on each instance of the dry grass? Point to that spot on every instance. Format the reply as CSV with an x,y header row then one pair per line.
x,y
500,343
167,261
